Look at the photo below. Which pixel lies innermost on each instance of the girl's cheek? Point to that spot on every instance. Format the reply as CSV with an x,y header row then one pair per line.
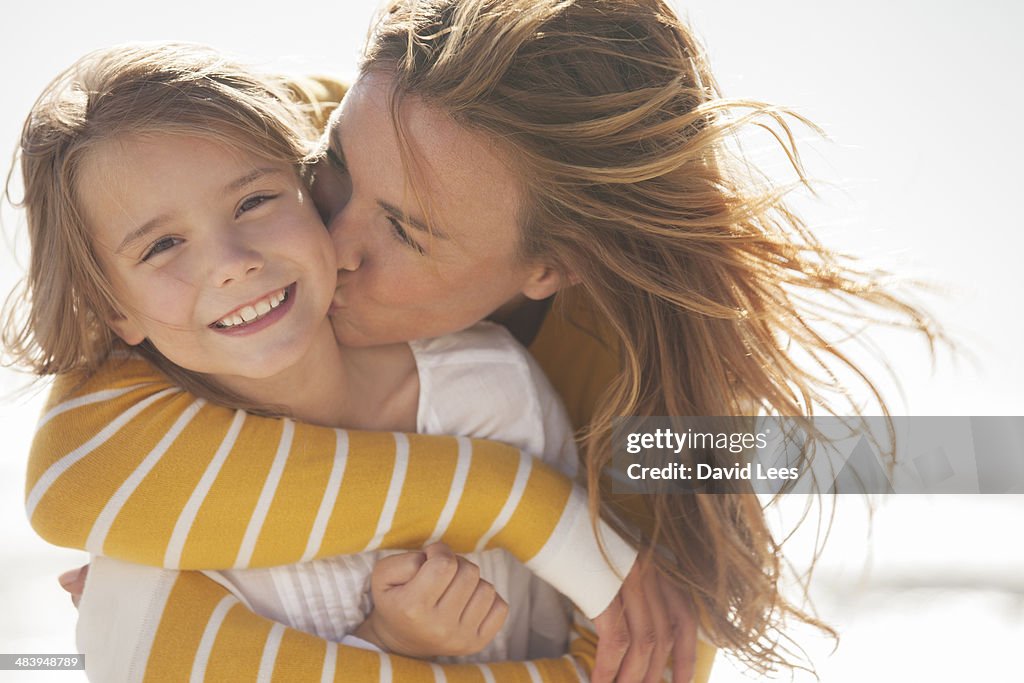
x,y
170,292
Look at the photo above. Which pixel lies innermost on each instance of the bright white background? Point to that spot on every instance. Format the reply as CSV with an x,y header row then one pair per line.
x,y
920,103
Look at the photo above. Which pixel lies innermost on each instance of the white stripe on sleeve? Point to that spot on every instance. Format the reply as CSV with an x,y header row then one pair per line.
x,y
209,636
172,558
487,673
58,468
88,399
259,514
323,515
387,515
512,502
101,527
270,648
455,490
386,674
330,663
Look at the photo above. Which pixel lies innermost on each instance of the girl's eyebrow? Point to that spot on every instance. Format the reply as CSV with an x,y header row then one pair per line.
x,y
153,223
141,231
251,177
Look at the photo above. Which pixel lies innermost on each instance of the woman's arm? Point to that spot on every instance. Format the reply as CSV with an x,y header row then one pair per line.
x,y
143,623
128,466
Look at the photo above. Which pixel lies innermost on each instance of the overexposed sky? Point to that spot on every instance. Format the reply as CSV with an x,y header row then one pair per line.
x,y
919,98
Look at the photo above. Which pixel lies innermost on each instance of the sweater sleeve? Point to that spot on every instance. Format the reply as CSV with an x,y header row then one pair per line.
x,y
147,624
126,465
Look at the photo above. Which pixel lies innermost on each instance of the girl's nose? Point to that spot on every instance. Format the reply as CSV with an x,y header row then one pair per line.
x,y
234,262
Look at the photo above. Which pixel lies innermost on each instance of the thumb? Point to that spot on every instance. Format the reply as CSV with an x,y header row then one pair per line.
x,y
73,581
397,570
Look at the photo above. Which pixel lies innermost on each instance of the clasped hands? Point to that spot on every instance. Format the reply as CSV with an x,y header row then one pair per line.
x,y
433,603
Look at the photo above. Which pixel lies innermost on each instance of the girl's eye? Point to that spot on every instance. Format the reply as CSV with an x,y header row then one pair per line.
x,y
162,244
251,203
402,235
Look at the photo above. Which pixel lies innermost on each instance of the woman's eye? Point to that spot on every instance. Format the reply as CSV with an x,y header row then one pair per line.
x,y
161,245
336,161
252,202
402,235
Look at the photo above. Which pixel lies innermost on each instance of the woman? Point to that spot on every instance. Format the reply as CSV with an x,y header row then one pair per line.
x,y
605,149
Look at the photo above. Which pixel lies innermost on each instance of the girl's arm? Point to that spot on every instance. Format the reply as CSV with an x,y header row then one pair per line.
x,y
126,465
146,624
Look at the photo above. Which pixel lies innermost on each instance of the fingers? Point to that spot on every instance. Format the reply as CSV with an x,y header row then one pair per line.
x,y
662,623
643,633
612,641
462,588
396,570
494,620
635,634
485,611
435,575
73,581
684,621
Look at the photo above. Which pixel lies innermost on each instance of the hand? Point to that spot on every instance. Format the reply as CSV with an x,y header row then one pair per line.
x,y
73,581
431,604
650,619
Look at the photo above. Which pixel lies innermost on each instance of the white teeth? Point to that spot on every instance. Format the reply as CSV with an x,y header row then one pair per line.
x,y
253,311
248,313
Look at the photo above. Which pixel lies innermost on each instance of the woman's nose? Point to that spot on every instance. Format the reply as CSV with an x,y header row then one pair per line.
x,y
349,246
330,191
333,195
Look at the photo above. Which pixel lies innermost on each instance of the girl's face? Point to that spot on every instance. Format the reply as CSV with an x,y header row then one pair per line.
x,y
396,280
217,256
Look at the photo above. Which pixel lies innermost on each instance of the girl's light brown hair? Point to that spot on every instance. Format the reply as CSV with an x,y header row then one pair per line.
x,y
632,180
56,322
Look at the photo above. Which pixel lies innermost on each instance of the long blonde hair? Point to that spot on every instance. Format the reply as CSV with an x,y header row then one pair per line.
x,y
57,321
631,181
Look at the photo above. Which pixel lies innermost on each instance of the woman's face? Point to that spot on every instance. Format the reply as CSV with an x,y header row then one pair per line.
x,y
397,280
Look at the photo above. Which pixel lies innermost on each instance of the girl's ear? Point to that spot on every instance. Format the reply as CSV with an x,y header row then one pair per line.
x,y
545,281
125,328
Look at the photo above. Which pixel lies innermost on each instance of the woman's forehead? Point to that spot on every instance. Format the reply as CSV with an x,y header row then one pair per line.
x,y
457,170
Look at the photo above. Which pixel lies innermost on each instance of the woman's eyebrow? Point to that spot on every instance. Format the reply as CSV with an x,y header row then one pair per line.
x,y
411,220
336,148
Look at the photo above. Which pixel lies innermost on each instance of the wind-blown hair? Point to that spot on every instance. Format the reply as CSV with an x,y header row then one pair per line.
x,y
57,321
632,181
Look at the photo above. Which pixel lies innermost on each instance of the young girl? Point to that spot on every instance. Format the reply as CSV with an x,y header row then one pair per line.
x,y
167,207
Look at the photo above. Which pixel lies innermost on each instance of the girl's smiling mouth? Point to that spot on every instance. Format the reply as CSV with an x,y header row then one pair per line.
x,y
257,314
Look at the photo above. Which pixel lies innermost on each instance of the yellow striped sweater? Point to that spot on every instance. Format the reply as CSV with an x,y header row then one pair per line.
x,y
126,466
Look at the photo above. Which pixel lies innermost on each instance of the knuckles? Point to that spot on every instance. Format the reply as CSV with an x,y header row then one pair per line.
x,y
647,640
469,570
